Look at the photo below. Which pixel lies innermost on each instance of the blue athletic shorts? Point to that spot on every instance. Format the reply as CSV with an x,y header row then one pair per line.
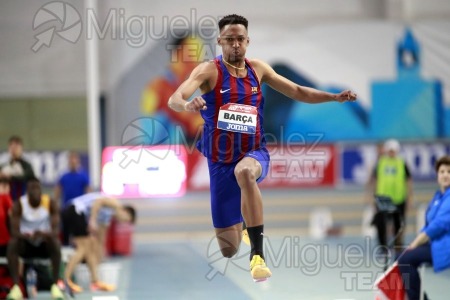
x,y
225,191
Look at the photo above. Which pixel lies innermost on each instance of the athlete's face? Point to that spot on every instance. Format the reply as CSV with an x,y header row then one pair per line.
x,y
34,193
74,161
15,149
234,41
443,176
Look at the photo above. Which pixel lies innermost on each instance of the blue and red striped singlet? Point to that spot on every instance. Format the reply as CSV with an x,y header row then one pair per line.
x,y
234,116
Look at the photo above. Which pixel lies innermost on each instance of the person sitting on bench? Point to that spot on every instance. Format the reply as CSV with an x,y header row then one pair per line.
x,y
34,234
431,245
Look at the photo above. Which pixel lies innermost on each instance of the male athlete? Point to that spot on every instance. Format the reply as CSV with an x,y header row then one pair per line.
x,y
233,136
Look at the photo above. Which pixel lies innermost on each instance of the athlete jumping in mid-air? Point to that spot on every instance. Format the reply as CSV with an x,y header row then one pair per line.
x,y
233,136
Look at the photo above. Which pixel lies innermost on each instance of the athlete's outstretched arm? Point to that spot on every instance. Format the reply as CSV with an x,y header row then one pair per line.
x,y
298,92
178,101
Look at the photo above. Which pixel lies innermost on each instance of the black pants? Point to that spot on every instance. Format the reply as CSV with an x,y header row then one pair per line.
x,y
382,218
75,224
64,228
408,264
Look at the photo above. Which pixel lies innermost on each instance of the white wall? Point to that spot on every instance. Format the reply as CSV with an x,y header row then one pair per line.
x,y
293,30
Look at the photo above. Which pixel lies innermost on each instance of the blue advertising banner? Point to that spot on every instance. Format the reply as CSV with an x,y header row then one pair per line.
x,y
357,161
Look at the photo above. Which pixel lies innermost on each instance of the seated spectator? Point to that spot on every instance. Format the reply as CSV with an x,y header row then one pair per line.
x,y
432,244
88,218
17,170
5,207
34,234
71,184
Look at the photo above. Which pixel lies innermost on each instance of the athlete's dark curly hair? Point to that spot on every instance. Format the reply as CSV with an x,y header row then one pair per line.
x,y
232,19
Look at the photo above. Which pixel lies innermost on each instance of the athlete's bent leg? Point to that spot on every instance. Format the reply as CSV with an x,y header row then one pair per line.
x,y
229,239
81,251
247,171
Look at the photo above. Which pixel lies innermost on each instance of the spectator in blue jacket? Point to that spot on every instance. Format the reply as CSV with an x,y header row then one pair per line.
x,y
432,244
73,183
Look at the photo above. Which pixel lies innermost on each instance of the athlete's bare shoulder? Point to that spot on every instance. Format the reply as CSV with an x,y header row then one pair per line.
x,y
261,68
206,72
205,69
258,63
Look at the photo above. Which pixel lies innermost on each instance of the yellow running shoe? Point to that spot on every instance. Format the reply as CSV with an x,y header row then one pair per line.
x,y
245,237
101,286
15,293
56,292
258,269
74,287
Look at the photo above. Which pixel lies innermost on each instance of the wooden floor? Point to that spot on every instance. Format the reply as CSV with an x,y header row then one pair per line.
x,y
285,212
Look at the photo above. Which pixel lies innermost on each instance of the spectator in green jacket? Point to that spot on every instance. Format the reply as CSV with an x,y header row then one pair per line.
x,y
391,179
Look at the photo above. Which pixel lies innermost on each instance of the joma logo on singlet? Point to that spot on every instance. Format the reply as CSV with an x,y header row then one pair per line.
x,y
237,127
239,118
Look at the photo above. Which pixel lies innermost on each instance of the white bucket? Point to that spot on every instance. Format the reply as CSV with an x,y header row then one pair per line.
x,y
108,272
320,221
82,275
366,227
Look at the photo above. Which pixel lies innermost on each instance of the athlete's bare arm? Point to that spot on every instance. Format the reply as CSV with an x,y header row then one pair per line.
x,y
204,77
295,91
54,218
95,209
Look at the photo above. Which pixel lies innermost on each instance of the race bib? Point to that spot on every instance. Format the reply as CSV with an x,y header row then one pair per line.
x,y
238,118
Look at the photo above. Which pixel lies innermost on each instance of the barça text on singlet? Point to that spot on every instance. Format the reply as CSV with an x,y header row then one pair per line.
x,y
238,118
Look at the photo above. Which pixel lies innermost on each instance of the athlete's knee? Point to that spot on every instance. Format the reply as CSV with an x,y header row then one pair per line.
x,y
229,252
244,175
228,244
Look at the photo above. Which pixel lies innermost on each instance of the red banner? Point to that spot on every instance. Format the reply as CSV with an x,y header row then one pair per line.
x,y
291,166
300,166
